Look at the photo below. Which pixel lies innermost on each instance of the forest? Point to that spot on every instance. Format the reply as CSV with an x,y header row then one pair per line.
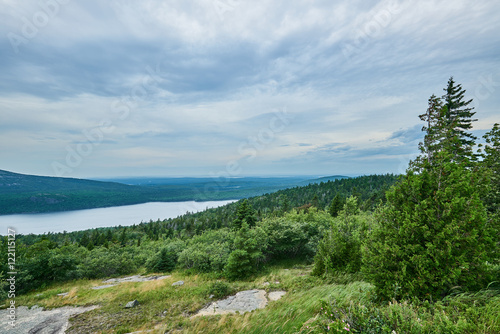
x,y
426,243
21,193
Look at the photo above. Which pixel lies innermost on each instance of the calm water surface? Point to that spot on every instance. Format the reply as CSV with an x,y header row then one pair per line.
x,y
104,217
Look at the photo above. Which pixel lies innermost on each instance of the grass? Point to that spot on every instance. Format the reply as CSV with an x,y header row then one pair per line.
x,y
164,308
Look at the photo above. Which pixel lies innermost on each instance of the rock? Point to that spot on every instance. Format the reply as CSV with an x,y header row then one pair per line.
x,y
178,283
275,295
266,283
135,278
244,301
64,294
132,304
36,320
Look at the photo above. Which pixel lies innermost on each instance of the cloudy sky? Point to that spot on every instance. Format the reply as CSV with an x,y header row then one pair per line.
x,y
234,87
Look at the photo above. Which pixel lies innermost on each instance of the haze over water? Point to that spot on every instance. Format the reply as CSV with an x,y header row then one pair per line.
x,y
103,217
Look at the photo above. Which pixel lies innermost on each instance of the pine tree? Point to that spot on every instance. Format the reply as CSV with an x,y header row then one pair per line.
x,y
242,262
432,235
433,232
459,120
244,213
336,205
447,122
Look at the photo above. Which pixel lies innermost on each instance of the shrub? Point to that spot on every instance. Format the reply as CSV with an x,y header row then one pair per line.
x,y
295,235
340,248
243,261
207,252
219,289
166,258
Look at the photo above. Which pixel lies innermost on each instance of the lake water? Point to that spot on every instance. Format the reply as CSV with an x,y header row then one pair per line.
x,y
103,217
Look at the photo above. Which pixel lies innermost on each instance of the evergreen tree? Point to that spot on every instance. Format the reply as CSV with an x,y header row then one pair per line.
x,y
336,205
448,120
244,213
243,261
123,237
491,165
315,201
163,261
433,234
284,203
459,120
434,128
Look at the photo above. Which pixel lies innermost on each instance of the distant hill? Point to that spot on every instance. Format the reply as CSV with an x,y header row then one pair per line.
x,y
20,193
325,179
14,183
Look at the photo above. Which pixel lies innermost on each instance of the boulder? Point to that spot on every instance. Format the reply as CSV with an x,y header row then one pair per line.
x,y
131,304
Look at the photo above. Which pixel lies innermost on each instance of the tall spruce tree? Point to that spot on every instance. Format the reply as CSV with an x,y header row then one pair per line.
x,y
459,118
433,233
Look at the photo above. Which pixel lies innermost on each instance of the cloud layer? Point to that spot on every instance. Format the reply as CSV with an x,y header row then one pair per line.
x,y
126,88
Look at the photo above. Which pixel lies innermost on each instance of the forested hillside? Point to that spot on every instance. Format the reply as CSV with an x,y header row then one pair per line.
x,y
35,194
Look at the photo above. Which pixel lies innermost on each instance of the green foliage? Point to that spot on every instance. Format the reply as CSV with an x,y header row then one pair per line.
x,y
336,205
464,313
244,213
105,262
431,236
207,252
244,259
219,289
295,234
340,249
166,258
4,286
491,165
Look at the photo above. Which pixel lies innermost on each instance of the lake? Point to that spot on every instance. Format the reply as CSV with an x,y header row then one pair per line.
x,y
103,217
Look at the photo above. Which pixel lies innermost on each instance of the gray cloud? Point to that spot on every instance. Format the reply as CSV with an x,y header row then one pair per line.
x,y
200,82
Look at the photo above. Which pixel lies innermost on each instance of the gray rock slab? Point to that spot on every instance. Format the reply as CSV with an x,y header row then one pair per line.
x,y
36,320
134,278
276,295
244,301
178,283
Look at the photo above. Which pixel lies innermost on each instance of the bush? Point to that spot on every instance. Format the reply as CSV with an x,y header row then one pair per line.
x,y
295,235
464,313
340,249
166,258
243,261
219,290
207,252
102,262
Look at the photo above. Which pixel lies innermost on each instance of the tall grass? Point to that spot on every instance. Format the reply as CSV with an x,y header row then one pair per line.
x,y
345,299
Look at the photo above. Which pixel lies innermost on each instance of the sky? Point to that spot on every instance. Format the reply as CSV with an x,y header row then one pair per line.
x,y
234,88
